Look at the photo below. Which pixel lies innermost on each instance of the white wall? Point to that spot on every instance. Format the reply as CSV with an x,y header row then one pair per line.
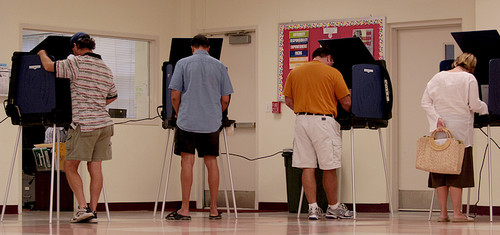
x,y
132,174
275,131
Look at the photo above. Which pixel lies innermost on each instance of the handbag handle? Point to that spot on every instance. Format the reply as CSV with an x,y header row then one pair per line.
x,y
444,146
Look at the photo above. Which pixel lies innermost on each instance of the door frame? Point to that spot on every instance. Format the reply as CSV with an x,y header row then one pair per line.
x,y
393,135
251,29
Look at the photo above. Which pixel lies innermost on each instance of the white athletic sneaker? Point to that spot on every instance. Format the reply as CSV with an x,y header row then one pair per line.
x,y
82,215
315,213
340,213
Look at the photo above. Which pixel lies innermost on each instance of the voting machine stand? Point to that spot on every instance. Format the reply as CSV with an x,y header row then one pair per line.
x,y
180,48
371,92
38,97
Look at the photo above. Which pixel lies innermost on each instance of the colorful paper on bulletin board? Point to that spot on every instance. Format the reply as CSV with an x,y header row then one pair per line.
x,y
297,41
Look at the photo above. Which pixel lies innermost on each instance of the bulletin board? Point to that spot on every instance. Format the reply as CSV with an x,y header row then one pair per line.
x,y
297,41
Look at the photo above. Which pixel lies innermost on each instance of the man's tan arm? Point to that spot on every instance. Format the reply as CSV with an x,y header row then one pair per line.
x,y
109,101
47,63
176,100
224,101
346,103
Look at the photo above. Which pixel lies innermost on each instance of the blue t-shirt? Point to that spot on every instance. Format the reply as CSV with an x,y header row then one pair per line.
x,y
202,80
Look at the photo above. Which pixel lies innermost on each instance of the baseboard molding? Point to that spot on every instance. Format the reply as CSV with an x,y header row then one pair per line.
x,y
370,208
142,206
481,210
273,206
10,209
244,199
263,207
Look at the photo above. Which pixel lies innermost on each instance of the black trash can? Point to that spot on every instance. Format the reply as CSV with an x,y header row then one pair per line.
x,y
294,186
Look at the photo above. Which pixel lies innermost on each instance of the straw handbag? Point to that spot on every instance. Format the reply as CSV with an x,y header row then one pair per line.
x,y
443,159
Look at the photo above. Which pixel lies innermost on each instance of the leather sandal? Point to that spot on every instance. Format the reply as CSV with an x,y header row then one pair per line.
x,y
461,220
216,217
446,219
176,216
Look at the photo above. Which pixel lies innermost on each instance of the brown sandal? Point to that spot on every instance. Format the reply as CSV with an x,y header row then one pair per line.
x,y
216,217
176,216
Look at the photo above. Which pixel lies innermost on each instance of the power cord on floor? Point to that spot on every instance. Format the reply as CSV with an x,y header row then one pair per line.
x,y
481,129
474,207
254,159
480,173
4,119
137,120
231,154
118,123
159,115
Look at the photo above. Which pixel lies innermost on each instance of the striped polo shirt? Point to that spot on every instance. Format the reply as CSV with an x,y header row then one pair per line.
x,y
91,84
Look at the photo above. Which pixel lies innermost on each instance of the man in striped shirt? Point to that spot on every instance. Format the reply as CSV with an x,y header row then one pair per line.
x,y
89,139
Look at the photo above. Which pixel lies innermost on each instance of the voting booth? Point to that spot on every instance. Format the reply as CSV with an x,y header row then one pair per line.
x,y
371,95
368,81
181,48
38,97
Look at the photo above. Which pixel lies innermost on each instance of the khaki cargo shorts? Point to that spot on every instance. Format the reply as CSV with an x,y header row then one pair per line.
x,y
93,146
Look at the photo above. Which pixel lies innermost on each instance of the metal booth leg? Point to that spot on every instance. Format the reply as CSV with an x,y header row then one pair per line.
x,y
299,209
58,167
161,174
10,173
224,185
230,173
105,201
388,186
490,181
52,170
168,177
353,174
432,204
339,179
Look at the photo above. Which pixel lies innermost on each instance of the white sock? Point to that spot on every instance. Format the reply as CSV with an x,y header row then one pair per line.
x,y
313,205
334,206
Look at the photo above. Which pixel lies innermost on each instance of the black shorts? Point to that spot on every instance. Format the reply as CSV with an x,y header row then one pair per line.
x,y
207,144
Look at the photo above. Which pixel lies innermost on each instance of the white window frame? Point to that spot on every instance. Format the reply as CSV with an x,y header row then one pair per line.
x,y
154,70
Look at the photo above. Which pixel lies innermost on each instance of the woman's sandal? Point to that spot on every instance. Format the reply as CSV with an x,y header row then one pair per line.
x,y
445,219
216,217
461,220
176,216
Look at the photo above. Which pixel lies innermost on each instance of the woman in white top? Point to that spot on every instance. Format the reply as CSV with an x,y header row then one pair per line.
x,y
450,100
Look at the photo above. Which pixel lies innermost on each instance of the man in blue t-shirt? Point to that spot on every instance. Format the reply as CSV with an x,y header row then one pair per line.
x,y
200,92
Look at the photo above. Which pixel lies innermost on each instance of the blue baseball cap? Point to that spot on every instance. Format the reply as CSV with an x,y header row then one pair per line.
x,y
75,37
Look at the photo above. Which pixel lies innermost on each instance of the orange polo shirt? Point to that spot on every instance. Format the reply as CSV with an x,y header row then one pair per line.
x,y
315,88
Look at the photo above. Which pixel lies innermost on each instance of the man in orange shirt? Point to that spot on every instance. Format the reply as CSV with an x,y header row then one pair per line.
x,y
312,91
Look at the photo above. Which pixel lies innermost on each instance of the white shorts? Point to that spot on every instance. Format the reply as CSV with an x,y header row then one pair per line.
x,y
317,141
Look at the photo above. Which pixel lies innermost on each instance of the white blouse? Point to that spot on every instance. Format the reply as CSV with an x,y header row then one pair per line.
x,y
453,97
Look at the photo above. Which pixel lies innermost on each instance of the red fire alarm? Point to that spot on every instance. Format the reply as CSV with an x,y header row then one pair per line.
x,y
276,107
